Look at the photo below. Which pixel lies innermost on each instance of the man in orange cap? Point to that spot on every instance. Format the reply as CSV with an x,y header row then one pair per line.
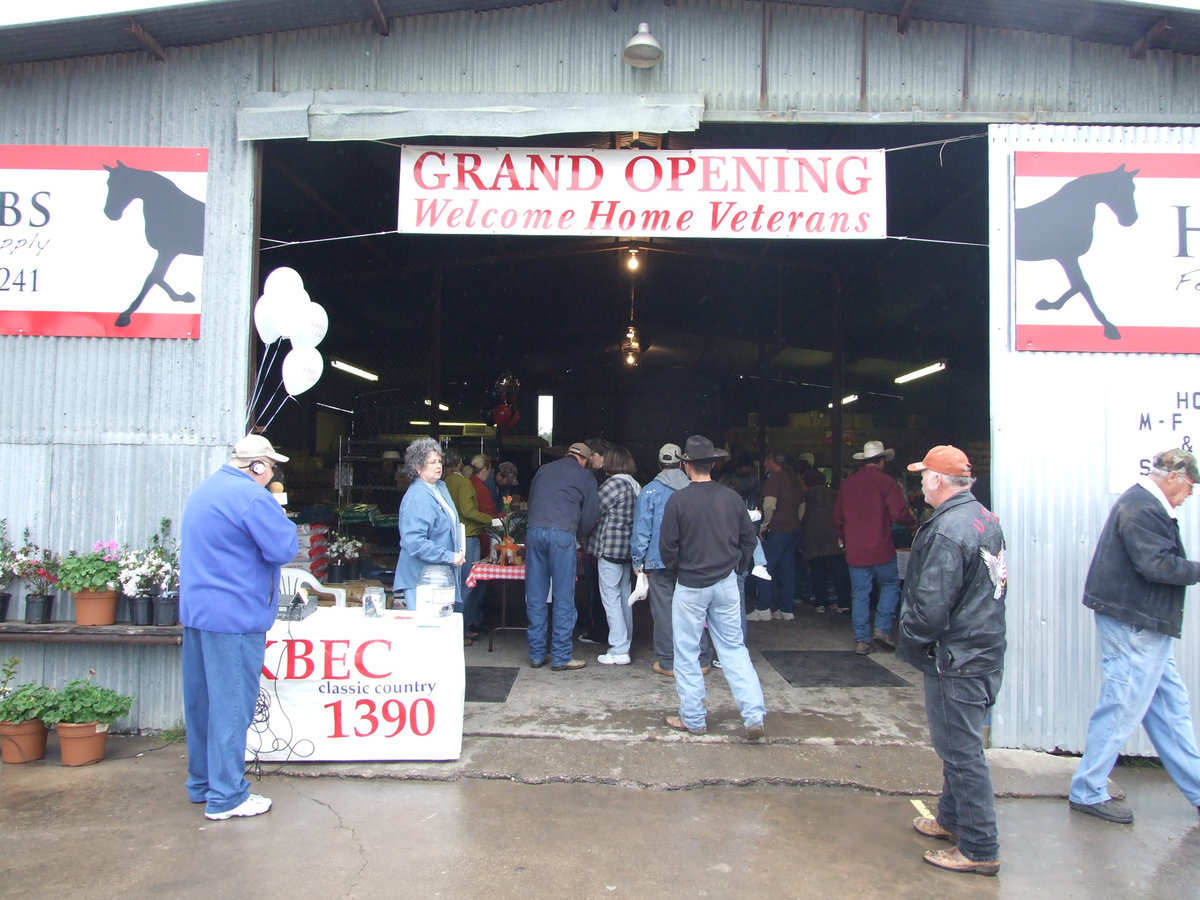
x,y
952,630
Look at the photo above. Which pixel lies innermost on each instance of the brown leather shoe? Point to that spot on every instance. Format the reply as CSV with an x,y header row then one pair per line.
x,y
659,670
930,827
755,732
862,648
704,670
953,861
677,723
569,666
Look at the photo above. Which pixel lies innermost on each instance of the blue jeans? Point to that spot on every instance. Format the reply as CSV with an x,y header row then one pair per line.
x,y
220,689
780,591
472,597
614,594
1141,686
550,561
861,579
957,708
718,604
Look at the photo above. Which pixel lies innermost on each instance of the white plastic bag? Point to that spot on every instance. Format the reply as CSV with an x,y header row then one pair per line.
x,y
640,590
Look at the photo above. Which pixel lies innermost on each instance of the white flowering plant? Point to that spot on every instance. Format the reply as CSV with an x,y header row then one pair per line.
x,y
154,569
344,548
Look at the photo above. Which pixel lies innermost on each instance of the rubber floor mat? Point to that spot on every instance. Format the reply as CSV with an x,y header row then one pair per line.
x,y
830,668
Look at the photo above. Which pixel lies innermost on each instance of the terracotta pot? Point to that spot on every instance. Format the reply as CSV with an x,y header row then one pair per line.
x,y
38,608
81,743
22,742
96,607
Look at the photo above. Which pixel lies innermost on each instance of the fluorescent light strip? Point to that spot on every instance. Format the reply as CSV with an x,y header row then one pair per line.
x,y
849,398
353,370
920,373
458,424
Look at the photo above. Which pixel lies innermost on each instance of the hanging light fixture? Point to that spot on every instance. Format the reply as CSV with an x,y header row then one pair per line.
x,y
632,262
642,51
939,366
631,347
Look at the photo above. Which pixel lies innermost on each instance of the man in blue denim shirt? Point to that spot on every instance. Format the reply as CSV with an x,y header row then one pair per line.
x,y
1135,584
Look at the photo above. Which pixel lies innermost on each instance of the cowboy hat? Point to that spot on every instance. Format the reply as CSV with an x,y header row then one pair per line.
x,y
874,449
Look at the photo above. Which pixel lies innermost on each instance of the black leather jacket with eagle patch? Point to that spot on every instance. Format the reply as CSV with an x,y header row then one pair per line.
x,y
952,618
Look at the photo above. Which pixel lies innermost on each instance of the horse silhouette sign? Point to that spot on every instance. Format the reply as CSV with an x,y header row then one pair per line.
x,y
101,241
1102,251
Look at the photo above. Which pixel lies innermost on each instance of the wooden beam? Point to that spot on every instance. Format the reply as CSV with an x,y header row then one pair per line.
x,y
143,37
1153,39
381,21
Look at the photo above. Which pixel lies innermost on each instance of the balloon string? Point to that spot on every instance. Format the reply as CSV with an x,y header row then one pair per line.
x,y
278,409
266,405
267,360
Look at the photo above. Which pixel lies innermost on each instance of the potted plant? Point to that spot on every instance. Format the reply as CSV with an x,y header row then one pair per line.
x,y
81,713
37,567
93,577
343,555
506,534
8,564
22,731
150,574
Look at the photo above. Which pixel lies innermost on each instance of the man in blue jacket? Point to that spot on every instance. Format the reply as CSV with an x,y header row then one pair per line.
x,y
643,547
1135,584
234,538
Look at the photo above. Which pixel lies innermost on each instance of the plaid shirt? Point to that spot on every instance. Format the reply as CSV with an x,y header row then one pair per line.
x,y
613,529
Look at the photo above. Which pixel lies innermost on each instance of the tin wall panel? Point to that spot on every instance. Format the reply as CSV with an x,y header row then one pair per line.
x,y
812,62
1019,71
151,674
1050,485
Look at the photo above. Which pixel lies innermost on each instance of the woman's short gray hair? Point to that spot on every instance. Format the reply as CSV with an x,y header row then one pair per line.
x,y
416,454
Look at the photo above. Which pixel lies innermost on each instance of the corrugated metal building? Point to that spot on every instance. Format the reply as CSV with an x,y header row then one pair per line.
x,y
106,437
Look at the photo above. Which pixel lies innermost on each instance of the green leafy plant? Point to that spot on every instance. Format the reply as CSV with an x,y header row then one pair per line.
x,y
81,701
8,557
97,570
37,567
25,701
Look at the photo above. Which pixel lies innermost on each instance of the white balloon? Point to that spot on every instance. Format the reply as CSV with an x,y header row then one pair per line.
x,y
282,281
302,368
287,305
264,320
309,326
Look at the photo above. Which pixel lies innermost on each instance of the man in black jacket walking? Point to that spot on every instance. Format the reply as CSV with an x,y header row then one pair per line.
x,y
952,630
1136,584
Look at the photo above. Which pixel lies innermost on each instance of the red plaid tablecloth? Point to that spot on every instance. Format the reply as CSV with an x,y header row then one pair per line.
x,y
482,571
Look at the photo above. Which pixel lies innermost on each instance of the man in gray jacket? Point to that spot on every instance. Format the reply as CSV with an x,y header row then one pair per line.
x,y
952,630
1135,585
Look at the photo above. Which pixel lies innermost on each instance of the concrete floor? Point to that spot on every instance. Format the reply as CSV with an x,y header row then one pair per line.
x,y
573,787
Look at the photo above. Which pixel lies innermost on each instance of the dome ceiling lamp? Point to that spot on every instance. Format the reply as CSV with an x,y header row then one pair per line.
x,y
642,51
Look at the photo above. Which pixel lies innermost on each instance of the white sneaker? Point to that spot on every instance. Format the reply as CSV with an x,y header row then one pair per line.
x,y
782,616
758,615
761,572
253,805
613,659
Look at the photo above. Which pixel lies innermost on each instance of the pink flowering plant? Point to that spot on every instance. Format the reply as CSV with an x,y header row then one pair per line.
x,y
97,570
37,567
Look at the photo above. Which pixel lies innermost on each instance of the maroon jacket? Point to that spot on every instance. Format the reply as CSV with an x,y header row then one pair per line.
x,y
868,502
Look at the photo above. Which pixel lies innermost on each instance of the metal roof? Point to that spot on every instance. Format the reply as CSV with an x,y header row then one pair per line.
x,y
1135,25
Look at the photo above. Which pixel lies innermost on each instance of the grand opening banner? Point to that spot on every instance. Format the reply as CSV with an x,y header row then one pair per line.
x,y
101,241
785,194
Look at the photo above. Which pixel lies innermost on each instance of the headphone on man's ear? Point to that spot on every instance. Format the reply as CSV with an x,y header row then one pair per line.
x,y
257,467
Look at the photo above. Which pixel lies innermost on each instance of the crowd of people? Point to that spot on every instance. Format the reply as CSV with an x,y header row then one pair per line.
x,y
692,535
